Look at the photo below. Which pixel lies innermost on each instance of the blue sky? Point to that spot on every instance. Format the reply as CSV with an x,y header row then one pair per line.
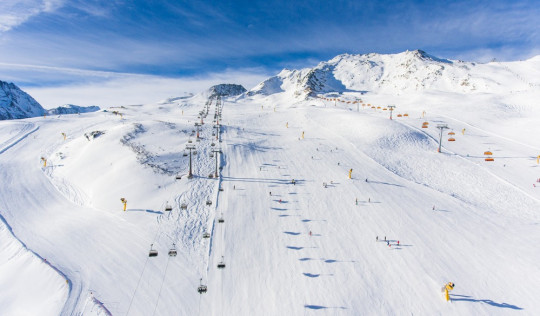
x,y
77,43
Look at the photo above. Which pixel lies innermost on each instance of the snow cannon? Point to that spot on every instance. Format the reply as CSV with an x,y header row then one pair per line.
x,y
446,289
124,201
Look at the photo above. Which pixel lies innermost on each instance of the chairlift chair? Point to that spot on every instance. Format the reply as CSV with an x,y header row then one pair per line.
x,y
211,176
178,177
208,202
451,139
153,252
221,220
183,206
221,264
206,235
172,251
202,288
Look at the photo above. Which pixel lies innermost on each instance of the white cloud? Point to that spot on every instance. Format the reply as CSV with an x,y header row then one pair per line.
x,y
16,12
108,89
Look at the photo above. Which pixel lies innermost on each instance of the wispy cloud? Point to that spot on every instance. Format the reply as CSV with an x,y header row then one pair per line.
x,y
16,12
87,87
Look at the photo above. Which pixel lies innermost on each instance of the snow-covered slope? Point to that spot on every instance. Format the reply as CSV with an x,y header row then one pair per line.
x,y
17,104
410,71
382,242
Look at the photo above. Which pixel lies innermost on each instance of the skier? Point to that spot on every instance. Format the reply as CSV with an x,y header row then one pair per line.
x,y
433,207
377,238
369,200
234,187
356,201
388,243
384,238
270,193
398,242
279,200
310,233
366,180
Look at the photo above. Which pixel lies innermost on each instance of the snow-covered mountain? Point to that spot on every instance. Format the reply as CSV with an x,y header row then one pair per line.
x,y
73,109
410,71
226,89
376,220
17,104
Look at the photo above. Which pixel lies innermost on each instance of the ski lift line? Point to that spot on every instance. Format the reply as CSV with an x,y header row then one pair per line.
x,y
137,286
491,133
161,287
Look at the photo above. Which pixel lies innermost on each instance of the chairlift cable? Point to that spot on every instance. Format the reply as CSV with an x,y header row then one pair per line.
x,y
161,287
137,287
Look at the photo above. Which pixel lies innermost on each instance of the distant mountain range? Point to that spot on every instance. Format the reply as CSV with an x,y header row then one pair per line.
x,y
409,71
17,104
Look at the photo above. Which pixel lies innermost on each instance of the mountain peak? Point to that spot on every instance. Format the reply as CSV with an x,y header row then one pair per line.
x,y
227,89
17,104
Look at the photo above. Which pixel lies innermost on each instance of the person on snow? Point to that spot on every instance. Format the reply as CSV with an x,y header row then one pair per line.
x,y
377,238
398,242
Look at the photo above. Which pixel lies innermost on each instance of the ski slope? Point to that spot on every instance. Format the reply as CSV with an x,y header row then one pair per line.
x,y
289,249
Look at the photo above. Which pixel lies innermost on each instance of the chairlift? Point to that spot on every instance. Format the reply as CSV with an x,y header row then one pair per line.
x,y
153,252
211,155
184,154
399,115
488,153
168,208
202,288
489,159
221,264
172,251
183,206
221,219
451,139
190,141
178,177
212,144
206,235
451,133
210,176
208,202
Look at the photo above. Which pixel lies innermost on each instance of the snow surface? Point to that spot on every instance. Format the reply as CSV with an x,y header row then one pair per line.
x,y
457,217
